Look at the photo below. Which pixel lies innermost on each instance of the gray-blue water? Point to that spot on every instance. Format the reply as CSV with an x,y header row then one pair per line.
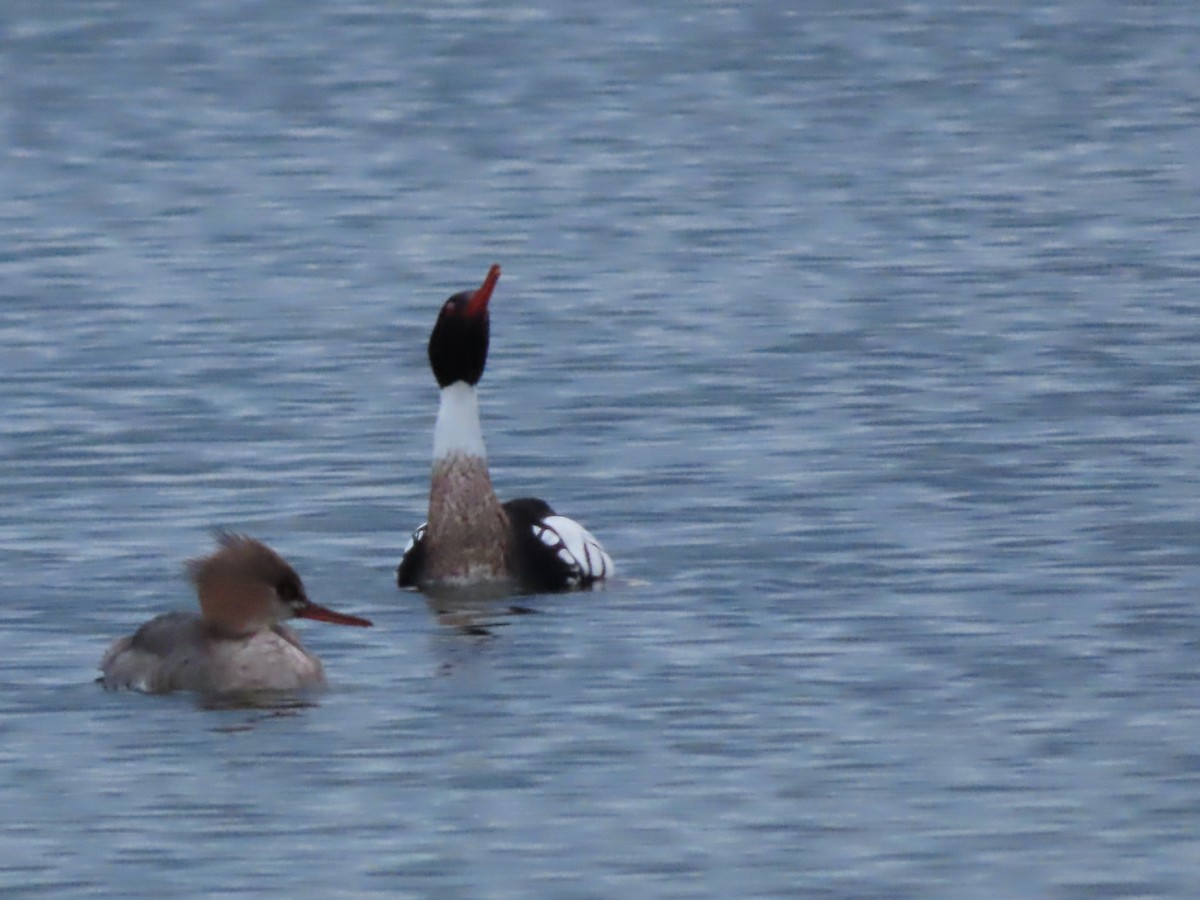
x,y
865,337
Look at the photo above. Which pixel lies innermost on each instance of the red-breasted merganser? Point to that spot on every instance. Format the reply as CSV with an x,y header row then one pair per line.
x,y
238,643
471,538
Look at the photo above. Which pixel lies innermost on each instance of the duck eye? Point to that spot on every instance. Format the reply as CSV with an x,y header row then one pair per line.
x,y
289,592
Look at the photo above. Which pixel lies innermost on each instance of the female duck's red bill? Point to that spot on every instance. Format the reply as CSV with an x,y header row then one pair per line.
x,y
322,614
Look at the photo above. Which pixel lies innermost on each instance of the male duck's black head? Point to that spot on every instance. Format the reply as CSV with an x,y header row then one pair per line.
x,y
459,343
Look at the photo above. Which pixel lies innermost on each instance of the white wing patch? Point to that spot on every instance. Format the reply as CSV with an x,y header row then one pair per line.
x,y
576,548
416,536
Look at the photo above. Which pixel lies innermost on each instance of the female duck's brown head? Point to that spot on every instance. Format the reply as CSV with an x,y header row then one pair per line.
x,y
245,587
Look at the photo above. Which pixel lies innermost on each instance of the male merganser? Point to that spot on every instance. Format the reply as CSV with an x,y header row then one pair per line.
x,y
471,538
238,643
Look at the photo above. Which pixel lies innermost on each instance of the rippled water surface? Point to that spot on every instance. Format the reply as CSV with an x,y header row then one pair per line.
x,y
866,338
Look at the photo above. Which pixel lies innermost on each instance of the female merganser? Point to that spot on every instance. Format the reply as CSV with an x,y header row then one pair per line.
x,y
471,538
238,643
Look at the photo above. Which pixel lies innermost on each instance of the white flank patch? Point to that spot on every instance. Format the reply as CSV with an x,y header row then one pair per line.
x,y
457,428
412,541
576,547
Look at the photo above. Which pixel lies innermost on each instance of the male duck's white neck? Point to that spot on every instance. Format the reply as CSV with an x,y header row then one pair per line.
x,y
457,430
467,538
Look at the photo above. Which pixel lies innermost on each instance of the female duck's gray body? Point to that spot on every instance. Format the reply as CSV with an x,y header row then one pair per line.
x,y
238,643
